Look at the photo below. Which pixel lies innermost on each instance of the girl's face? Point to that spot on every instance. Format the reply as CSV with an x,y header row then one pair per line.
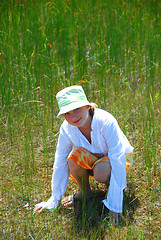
x,y
78,117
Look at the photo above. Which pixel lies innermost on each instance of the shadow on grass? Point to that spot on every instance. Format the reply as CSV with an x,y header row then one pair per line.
x,y
131,203
93,215
90,214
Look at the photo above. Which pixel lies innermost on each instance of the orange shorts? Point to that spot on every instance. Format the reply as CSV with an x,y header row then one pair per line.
x,y
88,160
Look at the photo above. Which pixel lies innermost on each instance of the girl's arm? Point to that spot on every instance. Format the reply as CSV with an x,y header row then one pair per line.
x,y
118,147
60,173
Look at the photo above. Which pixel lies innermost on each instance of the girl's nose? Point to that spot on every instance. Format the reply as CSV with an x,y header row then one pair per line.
x,y
74,114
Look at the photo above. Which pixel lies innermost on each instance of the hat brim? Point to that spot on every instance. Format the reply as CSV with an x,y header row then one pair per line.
x,y
71,107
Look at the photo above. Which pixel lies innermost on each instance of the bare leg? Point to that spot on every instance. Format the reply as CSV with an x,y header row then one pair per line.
x,y
102,172
82,177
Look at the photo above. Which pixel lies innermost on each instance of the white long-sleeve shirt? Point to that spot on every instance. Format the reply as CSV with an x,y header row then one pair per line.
x,y
106,138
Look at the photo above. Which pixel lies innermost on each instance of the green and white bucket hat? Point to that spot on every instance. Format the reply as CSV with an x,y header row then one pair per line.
x,y
71,98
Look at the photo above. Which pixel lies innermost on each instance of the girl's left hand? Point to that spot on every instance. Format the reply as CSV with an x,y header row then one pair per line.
x,y
114,217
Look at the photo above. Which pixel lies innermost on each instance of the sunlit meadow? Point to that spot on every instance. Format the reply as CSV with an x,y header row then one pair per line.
x,y
113,49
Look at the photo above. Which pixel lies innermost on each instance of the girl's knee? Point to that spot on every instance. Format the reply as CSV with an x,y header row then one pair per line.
x,y
101,178
102,172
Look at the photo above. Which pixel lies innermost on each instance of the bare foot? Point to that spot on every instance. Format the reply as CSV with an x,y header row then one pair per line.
x,y
68,201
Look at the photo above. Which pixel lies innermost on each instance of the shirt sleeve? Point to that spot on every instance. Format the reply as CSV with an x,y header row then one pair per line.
x,y
118,147
60,174
60,168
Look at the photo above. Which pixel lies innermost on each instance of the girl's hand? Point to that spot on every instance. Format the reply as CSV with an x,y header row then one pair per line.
x,y
38,208
114,217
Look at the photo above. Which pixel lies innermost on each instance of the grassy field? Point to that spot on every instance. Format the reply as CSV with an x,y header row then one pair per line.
x,y
112,49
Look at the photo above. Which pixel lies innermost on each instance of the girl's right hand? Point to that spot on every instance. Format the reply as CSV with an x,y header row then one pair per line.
x,y
51,205
38,208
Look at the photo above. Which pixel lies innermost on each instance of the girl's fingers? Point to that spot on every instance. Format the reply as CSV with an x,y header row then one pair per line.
x,y
37,208
123,218
114,218
41,210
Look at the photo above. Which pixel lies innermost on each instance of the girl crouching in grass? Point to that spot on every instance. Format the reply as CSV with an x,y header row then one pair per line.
x,y
90,143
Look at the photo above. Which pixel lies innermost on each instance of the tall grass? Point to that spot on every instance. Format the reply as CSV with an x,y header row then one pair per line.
x,y
111,48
